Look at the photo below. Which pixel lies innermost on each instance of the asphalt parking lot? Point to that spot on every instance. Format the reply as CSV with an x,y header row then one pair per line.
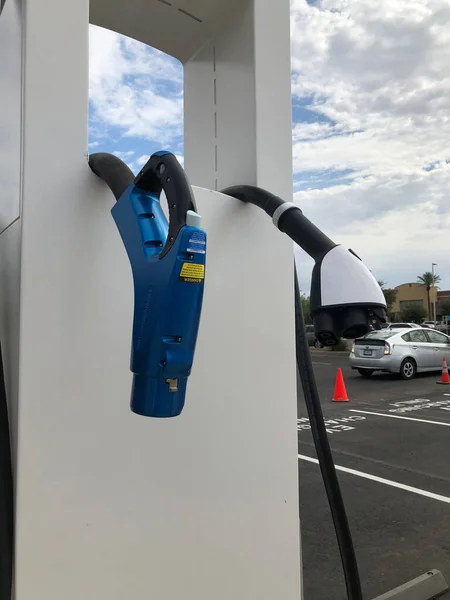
x,y
391,445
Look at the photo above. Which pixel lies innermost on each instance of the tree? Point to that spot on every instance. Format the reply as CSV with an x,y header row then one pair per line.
x,y
444,308
413,313
390,295
306,308
428,280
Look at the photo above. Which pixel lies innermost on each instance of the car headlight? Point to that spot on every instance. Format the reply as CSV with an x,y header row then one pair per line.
x,y
353,349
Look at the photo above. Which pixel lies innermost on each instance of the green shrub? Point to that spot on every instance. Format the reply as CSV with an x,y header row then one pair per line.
x,y
412,313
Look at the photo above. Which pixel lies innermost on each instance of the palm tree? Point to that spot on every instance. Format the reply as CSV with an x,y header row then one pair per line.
x,y
390,294
428,280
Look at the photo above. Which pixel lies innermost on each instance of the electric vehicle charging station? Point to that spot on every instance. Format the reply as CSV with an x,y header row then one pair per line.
x,y
109,504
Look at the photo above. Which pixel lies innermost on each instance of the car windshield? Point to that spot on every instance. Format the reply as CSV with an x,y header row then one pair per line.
x,y
379,335
400,326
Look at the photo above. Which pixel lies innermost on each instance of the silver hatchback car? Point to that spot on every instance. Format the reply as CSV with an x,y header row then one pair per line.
x,y
405,351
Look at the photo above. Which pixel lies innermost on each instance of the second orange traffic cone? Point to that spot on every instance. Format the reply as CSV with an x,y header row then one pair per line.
x,y
340,393
445,378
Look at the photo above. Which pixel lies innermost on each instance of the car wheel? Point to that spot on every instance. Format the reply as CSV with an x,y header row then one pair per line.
x,y
317,344
408,368
365,372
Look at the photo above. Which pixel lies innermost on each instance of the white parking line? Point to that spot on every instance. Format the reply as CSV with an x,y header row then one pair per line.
x,y
367,412
400,486
321,363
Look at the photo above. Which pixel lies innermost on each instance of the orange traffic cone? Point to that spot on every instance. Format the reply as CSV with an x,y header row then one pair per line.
x,y
340,393
445,378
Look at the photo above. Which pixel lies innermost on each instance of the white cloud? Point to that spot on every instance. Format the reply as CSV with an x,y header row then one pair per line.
x,y
124,155
379,72
133,87
376,73
397,239
140,162
302,131
180,159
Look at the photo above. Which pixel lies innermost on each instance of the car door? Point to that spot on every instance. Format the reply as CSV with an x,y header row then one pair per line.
x,y
440,343
420,348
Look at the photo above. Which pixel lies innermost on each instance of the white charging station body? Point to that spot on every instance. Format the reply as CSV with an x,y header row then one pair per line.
x,y
110,505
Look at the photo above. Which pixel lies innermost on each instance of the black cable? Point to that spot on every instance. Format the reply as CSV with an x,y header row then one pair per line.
x,y
6,495
292,222
323,450
112,170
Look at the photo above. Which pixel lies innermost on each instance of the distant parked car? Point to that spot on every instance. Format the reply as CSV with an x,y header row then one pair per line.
x,y
443,326
430,324
311,337
406,352
403,326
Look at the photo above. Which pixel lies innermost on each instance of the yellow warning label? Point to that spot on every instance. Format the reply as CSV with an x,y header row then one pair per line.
x,y
192,273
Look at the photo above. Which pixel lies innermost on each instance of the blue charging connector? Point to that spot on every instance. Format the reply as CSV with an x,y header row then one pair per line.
x,y
168,259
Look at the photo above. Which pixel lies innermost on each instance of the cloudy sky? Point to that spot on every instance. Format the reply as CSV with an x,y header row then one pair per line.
x,y
371,114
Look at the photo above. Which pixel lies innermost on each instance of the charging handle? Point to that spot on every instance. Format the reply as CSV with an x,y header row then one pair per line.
x,y
163,172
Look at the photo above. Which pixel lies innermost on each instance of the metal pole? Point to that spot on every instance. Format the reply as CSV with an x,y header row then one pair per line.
x,y
434,297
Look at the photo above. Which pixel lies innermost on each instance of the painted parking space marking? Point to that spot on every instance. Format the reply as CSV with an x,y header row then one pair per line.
x,y
337,425
406,406
367,412
395,484
321,363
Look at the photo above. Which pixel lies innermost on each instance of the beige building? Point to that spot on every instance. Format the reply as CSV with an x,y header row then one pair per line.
x,y
442,296
412,293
